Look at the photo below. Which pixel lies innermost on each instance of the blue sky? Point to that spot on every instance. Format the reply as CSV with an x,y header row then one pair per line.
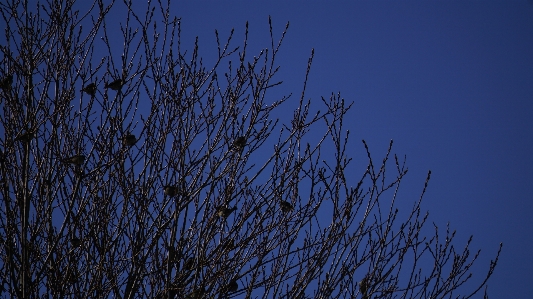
x,y
450,81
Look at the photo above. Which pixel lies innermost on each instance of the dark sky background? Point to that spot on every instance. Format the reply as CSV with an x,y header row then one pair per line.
x,y
451,82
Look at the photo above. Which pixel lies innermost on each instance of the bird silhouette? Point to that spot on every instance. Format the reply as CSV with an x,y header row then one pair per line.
x,y
77,159
75,241
6,82
90,89
26,136
363,287
197,294
189,264
228,245
129,140
173,255
286,206
240,142
233,286
115,85
170,190
224,212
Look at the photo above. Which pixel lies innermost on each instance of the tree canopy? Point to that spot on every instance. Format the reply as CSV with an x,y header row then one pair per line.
x,y
132,168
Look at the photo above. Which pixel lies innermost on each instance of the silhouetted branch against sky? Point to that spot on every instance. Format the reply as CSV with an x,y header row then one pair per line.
x,y
133,167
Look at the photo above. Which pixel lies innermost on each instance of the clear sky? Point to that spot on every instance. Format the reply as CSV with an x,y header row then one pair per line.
x,y
450,81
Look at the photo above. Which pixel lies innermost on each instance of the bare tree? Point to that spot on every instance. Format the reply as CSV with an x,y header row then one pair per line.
x,y
131,169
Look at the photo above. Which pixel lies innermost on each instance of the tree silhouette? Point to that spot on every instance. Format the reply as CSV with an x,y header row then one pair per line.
x,y
132,169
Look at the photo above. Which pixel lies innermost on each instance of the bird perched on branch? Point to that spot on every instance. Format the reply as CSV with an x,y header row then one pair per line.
x,y
170,190
26,136
129,140
363,287
197,294
6,82
233,286
173,254
90,89
286,206
77,159
228,245
224,212
115,85
239,143
75,241
189,264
